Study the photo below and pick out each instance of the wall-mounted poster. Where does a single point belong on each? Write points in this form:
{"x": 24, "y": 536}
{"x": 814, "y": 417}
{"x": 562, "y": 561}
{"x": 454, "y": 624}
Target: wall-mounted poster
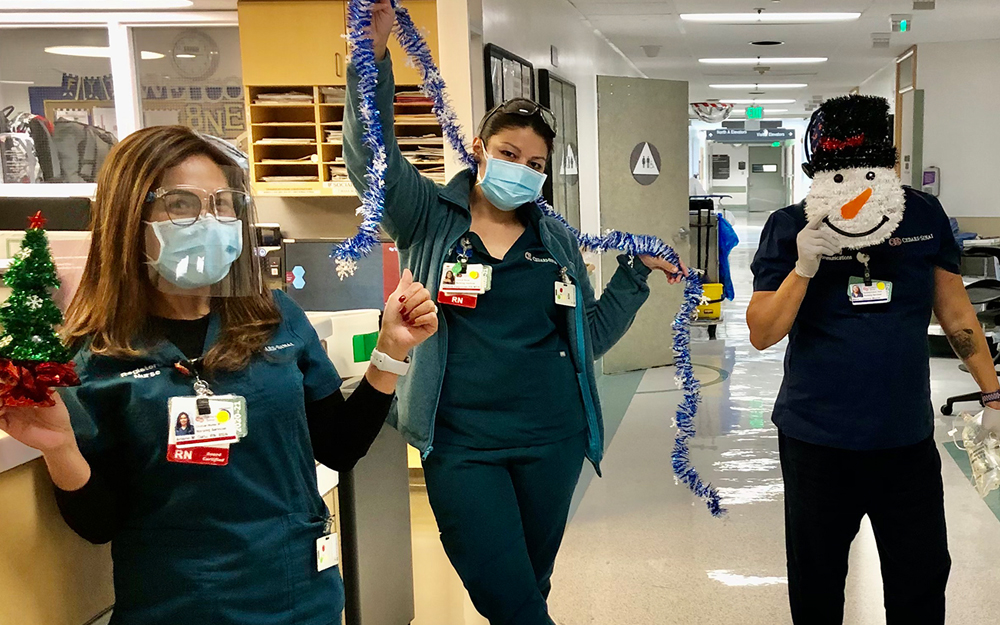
{"x": 562, "y": 189}
{"x": 507, "y": 76}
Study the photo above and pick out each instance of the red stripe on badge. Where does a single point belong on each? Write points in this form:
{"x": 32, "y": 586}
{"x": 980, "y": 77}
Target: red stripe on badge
{"x": 208, "y": 456}
{"x": 456, "y": 299}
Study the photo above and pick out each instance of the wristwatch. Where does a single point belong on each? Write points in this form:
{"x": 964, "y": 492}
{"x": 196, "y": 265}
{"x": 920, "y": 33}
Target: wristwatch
{"x": 383, "y": 362}
{"x": 990, "y": 397}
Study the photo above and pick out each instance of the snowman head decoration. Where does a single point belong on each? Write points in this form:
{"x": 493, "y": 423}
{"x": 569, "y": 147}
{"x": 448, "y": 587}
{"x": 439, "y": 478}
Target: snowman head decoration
{"x": 855, "y": 190}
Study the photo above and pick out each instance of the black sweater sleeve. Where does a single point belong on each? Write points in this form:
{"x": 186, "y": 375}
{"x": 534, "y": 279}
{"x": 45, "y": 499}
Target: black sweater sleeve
{"x": 342, "y": 431}
{"x": 94, "y": 511}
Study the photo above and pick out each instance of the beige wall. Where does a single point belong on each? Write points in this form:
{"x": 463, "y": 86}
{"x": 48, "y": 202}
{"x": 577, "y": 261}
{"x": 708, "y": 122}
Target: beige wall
{"x": 985, "y": 226}
{"x": 48, "y": 574}
{"x": 310, "y": 218}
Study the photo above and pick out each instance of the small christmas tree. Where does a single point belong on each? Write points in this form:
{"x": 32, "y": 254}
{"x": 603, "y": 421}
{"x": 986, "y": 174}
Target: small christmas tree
{"x": 32, "y": 357}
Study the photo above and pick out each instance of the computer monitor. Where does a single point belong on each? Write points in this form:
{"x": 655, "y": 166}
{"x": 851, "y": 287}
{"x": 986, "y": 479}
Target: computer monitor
{"x": 311, "y": 276}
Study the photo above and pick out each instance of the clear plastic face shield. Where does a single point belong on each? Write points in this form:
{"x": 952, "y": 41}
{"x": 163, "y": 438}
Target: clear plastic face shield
{"x": 199, "y": 235}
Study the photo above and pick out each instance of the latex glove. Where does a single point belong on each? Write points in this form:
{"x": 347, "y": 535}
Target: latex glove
{"x": 991, "y": 424}
{"x": 813, "y": 244}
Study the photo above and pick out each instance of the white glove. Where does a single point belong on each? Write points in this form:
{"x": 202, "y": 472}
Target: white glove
{"x": 991, "y": 424}
{"x": 813, "y": 244}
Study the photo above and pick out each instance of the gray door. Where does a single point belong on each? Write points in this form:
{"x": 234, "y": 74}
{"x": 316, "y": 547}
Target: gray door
{"x": 643, "y": 145}
{"x": 766, "y": 187}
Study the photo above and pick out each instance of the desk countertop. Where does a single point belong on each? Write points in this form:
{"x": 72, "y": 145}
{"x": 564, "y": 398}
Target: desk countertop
{"x": 13, "y": 453}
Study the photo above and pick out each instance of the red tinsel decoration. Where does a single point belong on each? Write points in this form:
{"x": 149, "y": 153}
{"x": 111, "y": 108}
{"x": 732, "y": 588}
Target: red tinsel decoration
{"x": 28, "y": 383}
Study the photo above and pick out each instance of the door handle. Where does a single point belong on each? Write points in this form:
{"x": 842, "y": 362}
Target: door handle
{"x": 337, "y": 60}
{"x": 683, "y": 234}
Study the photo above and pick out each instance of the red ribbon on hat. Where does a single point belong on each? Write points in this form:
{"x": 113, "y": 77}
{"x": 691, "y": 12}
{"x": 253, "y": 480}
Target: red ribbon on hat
{"x": 838, "y": 144}
{"x": 29, "y": 383}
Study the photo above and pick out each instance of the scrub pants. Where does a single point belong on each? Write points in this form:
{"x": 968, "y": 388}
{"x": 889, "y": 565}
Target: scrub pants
{"x": 827, "y": 493}
{"x": 502, "y": 514}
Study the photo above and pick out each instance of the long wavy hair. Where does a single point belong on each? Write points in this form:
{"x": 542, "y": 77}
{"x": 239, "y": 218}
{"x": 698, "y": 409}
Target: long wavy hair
{"x": 110, "y": 312}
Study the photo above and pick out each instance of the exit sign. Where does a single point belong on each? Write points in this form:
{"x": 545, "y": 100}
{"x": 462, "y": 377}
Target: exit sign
{"x": 755, "y": 112}
{"x": 776, "y": 144}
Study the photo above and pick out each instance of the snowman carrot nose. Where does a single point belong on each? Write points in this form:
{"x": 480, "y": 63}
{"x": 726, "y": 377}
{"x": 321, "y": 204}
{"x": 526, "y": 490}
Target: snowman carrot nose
{"x": 852, "y": 208}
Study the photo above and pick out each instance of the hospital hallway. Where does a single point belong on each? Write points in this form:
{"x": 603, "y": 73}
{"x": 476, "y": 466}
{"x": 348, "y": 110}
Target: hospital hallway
{"x": 641, "y": 549}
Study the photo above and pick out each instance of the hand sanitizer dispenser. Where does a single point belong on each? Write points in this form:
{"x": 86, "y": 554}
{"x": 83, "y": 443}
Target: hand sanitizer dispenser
{"x": 932, "y": 181}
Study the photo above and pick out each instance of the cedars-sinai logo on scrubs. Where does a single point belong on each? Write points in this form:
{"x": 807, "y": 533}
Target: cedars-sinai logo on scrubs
{"x": 895, "y": 241}
{"x": 536, "y": 259}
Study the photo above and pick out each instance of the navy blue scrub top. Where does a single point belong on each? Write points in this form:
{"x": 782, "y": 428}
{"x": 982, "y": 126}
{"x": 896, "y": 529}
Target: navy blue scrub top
{"x": 858, "y": 377}
{"x": 509, "y": 380}
{"x": 204, "y": 544}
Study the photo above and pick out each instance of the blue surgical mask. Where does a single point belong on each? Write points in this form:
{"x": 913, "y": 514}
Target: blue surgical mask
{"x": 510, "y": 185}
{"x": 197, "y": 255}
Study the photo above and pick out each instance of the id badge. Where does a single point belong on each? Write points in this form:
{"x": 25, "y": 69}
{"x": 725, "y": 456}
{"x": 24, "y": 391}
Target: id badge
{"x": 462, "y": 278}
{"x": 326, "y": 552}
{"x": 861, "y": 294}
{"x": 566, "y": 294}
{"x": 209, "y": 420}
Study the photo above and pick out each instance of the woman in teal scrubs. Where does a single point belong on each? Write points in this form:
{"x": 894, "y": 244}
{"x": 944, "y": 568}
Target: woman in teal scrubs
{"x": 223, "y": 534}
{"x": 502, "y": 401}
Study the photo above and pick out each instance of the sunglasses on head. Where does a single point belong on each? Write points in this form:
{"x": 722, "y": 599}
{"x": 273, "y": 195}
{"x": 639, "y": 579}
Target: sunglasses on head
{"x": 524, "y": 108}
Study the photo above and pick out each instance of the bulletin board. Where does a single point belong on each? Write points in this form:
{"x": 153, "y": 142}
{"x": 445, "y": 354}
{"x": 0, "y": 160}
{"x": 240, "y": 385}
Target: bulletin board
{"x": 507, "y": 76}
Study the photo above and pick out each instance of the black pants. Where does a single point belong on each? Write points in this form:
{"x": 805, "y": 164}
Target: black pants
{"x": 827, "y": 493}
{"x": 502, "y": 514}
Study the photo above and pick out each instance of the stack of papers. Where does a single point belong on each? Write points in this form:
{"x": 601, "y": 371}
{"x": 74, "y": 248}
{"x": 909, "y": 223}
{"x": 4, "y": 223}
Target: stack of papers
{"x": 993, "y": 242}
{"x": 334, "y": 136}
{"x": 333, "y": 95}
{"x": 290, "y": 178}
{"x": 416, "y": 118}
{"x": 413, "y": 97}
{"x": 338, "y": 173}
{"x": 285, "y": 141}
{"x": 289, "y": 97}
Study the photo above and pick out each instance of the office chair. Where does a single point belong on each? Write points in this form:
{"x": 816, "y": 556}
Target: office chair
{"x": 984, "y": 293}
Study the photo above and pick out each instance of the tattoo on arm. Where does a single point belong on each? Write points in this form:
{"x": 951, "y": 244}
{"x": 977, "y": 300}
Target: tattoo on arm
{"x": 964, "y": 343}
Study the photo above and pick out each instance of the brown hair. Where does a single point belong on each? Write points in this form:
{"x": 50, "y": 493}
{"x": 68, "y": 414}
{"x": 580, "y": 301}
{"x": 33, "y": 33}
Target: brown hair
{"x": 112, "y": 306}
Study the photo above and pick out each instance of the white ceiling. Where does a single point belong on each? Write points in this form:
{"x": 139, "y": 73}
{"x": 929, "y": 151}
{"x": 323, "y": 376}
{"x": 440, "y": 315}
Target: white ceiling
{"x": 632, "y": 24}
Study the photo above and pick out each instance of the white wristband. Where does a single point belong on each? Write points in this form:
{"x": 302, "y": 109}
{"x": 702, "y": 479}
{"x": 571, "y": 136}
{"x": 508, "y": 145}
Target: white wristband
{"x": 383, "y": 362}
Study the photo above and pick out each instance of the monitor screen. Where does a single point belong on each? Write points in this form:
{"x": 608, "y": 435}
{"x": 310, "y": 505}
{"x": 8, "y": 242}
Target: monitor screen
{"x": 311, "y": 276}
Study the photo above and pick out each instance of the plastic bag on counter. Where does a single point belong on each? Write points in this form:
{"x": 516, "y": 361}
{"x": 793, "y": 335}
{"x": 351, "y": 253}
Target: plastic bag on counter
{"x": 984, "y": 457}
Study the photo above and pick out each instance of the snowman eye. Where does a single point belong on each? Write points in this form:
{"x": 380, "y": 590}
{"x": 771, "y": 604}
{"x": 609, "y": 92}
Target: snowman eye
{"x": 871, "y": 175}
{"x": 838, "y": 178}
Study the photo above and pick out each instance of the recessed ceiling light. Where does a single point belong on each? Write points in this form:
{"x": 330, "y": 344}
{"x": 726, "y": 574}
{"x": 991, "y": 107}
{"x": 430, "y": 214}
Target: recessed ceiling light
{"x": 93, "y": 5}
{"x": 760, "y": 60}
{"x": 745, "y": 101}
{"x": 767, "y": 43}
{"x": 764, "y": 17}
{"x": 761, "y": 86}
{"x": 96, "y": 52}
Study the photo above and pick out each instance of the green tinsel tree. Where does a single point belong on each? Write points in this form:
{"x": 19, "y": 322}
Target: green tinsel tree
{"x": 29, "y": 315}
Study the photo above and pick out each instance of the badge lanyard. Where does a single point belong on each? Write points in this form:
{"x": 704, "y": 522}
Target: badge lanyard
{"x": 211, "y": 422}
{"x": 865, "y": 291}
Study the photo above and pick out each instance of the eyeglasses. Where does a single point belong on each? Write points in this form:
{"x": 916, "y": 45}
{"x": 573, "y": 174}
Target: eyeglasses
{"x": 184, "y": 205}
{"x": 524, "y": 108}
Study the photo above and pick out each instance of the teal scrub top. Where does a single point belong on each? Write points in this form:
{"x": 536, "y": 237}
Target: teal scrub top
{"x": 231, "y": 544}
{"x": 509, "y": 378}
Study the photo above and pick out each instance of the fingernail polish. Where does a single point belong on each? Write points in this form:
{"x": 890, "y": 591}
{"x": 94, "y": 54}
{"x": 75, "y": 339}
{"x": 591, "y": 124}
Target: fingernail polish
{"x": 402, "y": 298}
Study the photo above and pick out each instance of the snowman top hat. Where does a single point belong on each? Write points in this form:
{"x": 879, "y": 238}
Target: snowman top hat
{"x": 850, "y": 132}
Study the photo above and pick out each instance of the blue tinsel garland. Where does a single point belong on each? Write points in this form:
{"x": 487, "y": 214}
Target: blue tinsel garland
{"x": 363, "y": 58}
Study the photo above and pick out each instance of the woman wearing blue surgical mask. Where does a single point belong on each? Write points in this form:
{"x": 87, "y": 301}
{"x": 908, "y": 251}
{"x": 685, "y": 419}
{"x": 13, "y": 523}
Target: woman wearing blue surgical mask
{"x": 502, "y": 402}
{"x": 205, "y": 401}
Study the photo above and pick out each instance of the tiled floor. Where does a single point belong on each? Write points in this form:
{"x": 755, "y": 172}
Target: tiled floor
{"x": 640, "y": 550}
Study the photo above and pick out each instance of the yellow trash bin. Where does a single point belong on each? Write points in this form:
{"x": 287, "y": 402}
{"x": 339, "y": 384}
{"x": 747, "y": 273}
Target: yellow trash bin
{"x": 713, "y": 309}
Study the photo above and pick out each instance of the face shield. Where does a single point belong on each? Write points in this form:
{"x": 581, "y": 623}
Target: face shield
{"x": 201, "y": 241}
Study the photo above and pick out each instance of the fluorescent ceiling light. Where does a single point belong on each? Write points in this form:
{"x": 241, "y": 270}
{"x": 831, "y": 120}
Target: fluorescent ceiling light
{"x": 93, "y": 5}
{"x": 17, "y": 82}
{"x": 752, "y": 102}
{"x": 96, "y": 52}
{"x": 765, "y": 17}
{"x": 763, "y": 60}
{"x": 762, "y": 86}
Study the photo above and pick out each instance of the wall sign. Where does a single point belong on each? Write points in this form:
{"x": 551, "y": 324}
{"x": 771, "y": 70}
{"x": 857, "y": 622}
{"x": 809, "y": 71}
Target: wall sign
{"x": 740, "y": 135}
{"x": 645, "y": 163}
